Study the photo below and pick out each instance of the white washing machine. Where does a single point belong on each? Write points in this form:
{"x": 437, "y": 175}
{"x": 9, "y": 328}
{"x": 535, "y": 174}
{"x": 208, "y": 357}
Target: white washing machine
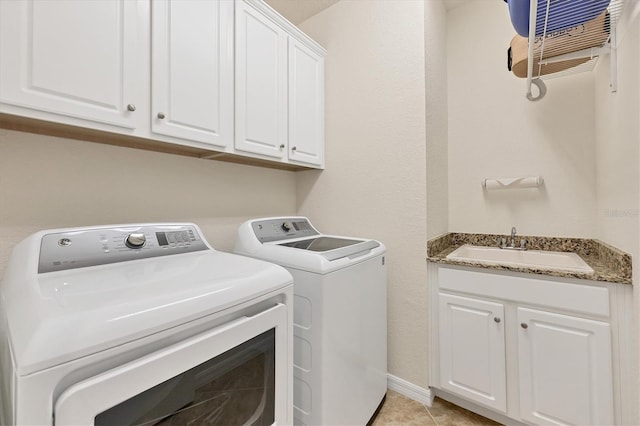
{"x": 340, "y": 317}
{"x": 147, "y": 323}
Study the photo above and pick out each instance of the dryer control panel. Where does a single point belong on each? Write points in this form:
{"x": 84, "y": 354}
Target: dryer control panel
{"x": 283, "y": 228}
{"x": 82, "y": 247}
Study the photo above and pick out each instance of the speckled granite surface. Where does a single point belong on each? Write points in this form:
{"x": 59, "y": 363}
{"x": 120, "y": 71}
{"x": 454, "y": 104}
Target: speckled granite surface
{"x": 608, "y": 263}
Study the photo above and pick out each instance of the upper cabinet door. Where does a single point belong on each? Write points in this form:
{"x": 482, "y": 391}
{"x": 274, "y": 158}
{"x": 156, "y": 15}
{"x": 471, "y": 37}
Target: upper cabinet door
{"x": 306, "y": 104}
{"x": 74, "y": 58}
{"x": 192, "y": 70}
{"x": 261, "y": 84}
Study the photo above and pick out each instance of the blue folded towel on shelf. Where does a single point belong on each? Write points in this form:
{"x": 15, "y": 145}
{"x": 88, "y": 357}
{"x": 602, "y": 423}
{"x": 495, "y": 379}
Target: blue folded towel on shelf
{"x": 562, "y": 14}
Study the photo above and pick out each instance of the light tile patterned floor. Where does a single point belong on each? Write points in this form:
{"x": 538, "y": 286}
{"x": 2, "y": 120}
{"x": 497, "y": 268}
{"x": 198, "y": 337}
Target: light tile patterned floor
{"x": 401, "y": 411}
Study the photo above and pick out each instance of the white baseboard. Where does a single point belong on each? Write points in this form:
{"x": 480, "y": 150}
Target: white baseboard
{"x": 411, "y": 391}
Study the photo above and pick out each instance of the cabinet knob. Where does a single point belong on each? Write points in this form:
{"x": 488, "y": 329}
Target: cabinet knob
{"x": 281, "y": 146}
{"x": 496, "y": 319}
{"x": 524, "y": 325}
{"x": 161, "y": 115}
{"x": 131, "y": 107}
{"x": 293, "y": 148}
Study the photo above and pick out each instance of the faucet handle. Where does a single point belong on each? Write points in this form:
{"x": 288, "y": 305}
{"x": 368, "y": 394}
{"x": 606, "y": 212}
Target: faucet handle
{"x": 523, "y": 243}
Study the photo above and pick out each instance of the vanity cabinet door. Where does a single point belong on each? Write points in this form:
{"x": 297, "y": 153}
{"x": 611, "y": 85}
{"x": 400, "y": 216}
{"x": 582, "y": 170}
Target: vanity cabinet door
{"x": 192, "y": 70}
{"x": 75, "y": 59}
{"x": 472, "y": 349}
{"x": 565, "y": 369}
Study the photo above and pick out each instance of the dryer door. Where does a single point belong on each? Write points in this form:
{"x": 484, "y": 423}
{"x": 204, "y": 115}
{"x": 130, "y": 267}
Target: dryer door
{"x": 234, "y": 374}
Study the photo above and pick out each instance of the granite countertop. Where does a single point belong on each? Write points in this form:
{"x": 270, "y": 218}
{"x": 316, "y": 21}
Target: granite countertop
{"x": 608, "y": 263}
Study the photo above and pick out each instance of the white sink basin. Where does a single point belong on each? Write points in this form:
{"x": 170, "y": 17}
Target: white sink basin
{"x": 555, "y": 260}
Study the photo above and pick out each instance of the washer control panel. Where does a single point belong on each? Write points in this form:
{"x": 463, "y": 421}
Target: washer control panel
{"x": 283, "y": 228}
{"x": 82, "y": 247}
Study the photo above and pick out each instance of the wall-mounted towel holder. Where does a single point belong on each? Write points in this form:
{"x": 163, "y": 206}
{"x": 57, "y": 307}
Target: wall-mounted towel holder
{"x": 512, "y": 183}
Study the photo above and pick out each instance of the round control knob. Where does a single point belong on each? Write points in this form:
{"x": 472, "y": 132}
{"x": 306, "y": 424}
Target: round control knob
{"x": 286, "y": 226}
{"x": 135, "y": 240}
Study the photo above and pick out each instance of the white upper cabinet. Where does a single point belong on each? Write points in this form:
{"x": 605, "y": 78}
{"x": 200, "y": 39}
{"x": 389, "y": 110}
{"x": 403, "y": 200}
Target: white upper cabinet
{"x": 261, "y": 83}
{"x": 279, "y": 88}
{"x": 226, "y": 77}
{"x": 192, "y": 70}
{"x": 72, "y": 58}
{"x": 306, "y": 104}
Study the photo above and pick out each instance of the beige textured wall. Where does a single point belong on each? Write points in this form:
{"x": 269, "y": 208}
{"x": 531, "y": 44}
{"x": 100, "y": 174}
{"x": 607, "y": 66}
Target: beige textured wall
{"x": 48, "y": 182}
{"x": 375, "y": 185}
{"x": 618, "y": 141}
{"x": 436, "y": 118}
{"x": 495, "y": 132}
{"x": 618, "y": 163}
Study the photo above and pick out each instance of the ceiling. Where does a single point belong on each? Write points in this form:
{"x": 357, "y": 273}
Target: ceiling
{"x": 298, "y": 11}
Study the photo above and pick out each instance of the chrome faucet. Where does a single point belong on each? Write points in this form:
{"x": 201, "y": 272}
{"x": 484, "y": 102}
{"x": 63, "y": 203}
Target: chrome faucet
{"x": 502, "y": 242}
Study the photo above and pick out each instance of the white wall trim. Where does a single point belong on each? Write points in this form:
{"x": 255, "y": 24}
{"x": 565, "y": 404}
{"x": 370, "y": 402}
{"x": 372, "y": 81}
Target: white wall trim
{"x": 408, "y": 389}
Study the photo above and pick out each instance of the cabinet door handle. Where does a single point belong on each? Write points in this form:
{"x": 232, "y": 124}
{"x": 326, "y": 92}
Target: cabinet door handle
{"x": 161, "y": 115}
{"x": 524, "y": 325}
{"x": 293, "y": 148}
{"x": 496, "y": 319}
{"x": 131, "y": 107}
{"x": 281, "y": 146}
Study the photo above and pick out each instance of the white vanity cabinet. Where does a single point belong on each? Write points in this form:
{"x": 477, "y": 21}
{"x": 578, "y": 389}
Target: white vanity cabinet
{"x": 192, "y": 70}
{"x": 279, "y": 88}
{"x": 75, "y": 59}
{"x": 538, "y": 350}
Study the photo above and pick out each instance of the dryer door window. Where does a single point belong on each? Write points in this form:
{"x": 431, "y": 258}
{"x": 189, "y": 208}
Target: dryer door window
{"x": 234, "y": 388}
{"x": 233, "y": 374}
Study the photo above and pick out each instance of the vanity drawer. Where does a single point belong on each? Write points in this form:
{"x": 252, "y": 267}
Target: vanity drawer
{"x": 579, "y": 298}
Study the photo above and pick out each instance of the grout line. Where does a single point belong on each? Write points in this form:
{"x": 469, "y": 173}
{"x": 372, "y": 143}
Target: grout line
{"x": 430, "y": 415}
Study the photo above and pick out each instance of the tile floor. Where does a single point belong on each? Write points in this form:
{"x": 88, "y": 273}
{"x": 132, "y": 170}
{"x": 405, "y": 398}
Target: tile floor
{"x": 401, "y": 411}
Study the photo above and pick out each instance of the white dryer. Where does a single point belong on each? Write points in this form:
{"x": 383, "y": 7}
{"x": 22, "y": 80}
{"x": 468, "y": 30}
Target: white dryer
{"x": 340, "y": 317}
{"x": 134, "y": 324}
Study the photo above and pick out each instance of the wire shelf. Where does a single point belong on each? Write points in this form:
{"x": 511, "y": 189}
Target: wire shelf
{"x": 567, "y": 37}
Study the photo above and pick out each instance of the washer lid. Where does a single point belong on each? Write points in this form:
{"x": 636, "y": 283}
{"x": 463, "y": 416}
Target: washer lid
{"x": 294, "y": 243}
{"x": 333, "y": 248}
{"x": 60, "y": 316}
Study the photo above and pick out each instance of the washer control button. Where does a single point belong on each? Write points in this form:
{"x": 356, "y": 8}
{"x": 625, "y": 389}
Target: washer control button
{"x": 135, "y": 240}
{"x": 64, "y": 242}
{"x": 286, "y": 226}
